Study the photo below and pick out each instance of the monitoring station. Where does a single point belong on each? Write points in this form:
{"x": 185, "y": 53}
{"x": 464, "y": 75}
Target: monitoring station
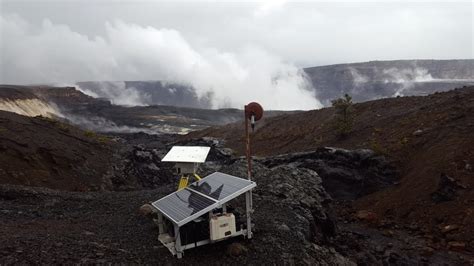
{"x": 201, "y": 213}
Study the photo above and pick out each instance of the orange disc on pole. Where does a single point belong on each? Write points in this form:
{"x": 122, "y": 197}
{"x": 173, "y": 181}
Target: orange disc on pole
{"x": 254, "y": 109}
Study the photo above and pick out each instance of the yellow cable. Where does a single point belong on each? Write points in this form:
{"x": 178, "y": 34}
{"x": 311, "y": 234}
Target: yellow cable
{"x": 197, "y": 177}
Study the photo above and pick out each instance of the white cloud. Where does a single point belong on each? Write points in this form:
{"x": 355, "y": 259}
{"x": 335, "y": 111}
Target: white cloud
{"x": 234, "y": 48}
{"x": 56, "y": 53}
{"x": 269, "y": 6}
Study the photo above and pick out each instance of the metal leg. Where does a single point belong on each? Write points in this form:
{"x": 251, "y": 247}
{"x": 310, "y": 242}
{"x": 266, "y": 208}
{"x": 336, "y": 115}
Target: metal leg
{"x": 160, "y": 223}
{"x": 251, "y": 201}
{"x": 177, "y": 242}
{"x": 224, "y": 208}
{"x": 248, "y": 196}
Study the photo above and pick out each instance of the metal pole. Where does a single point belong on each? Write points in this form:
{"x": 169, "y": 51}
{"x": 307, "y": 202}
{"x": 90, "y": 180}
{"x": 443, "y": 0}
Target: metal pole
{"x": 248, "y": 154}
{"x": 248, "y": 196}
{"x": 177, "y": 242}
{"x": 161, "y": 229}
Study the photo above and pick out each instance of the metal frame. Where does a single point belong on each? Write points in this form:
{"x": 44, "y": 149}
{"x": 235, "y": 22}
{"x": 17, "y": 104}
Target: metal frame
{"x": 176, "y": 248}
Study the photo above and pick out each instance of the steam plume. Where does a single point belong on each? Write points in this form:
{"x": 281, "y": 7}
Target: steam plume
{"x": 55, "y": 53}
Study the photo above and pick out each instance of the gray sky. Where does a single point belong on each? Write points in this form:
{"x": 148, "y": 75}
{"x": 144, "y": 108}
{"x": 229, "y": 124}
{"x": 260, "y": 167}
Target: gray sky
{"x": 306, "y": 33}
{"x": 213, "y": 44}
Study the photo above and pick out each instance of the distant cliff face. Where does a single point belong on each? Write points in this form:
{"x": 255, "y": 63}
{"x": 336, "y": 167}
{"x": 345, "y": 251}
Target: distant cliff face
{"x": 363, "y": 81}
{"x": 381, "y": 79}
{"x": 71, "y": 105}
{"x": 140, "y": 93}
{"x": 25, "y": 103}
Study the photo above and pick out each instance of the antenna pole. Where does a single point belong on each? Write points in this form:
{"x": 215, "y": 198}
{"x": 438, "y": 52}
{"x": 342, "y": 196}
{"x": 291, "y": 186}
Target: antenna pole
{"x": 248, "y": 154}
{"x": 248, "y": 195}
{"x": 253, "y": 112}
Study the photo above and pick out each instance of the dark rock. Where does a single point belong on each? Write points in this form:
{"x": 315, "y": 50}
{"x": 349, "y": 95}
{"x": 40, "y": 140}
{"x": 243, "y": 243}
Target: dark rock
{"x": 345, "y": 174}
{"x": 146, "y": 210}
{"x": 418, "y": 132}
{"x": 456, "y": 246}
{"x": 367, "y": 216}
{"x": 449, "y": 228}
{"x": 448, "y": 188}
{"x": 427, "y": 251}
{"x": 146, "y": 166}
{"x": 88, "y": 233}
{"x": 284, "y": 227}
{"x": 236, "y": 249}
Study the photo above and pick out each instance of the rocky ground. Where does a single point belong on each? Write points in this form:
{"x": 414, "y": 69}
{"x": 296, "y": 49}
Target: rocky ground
{"x": 396, "y": 193}
{"x": 296, "y": 220}
{"x": 428, "y": 139}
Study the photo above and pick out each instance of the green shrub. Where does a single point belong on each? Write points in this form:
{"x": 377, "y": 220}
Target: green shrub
{"x": 344, "y": 116}
{"x": 90, "y": 134}
{"x": 97, "y": 137}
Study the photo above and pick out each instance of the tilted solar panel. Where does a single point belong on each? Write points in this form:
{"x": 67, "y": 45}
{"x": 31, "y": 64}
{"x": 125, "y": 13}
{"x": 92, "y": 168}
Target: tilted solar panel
{"x": 219, "y": 185}
{"x": 183, "y": 204}
{"x": 202, "y": 196}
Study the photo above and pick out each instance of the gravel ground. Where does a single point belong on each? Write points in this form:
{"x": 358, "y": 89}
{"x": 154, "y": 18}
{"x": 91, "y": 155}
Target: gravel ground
{"x": 44, "y": 226}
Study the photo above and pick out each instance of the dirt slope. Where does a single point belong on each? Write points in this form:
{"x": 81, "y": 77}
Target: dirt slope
{"x": 38, "y": 151}
{"x": 424, "y": 136}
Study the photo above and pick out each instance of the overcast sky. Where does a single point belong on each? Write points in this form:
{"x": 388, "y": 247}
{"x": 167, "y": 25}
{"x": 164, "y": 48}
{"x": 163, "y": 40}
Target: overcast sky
{"x": 199, "y": 41}
{"x": 306, "y": 33}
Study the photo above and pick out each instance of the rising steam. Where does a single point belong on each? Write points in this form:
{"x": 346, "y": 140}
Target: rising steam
{"x": 52, "y": 53}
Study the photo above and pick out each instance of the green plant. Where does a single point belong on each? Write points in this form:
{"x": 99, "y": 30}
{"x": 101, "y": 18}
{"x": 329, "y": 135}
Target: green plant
{"x": 47, "y": 119}
{"x": 90, "y": 134}
{"x": 97, "y": 137}
{"x": 102, "y": 139}
{"x": 344, "y": 116}
{"x": 64, "y": 127}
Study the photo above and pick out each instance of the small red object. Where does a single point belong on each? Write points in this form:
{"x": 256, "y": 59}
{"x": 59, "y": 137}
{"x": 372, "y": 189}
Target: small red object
{"x": 254, "y": 109}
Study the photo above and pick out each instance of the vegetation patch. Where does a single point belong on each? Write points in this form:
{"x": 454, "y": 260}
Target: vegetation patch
{"x": 344, "y": 117}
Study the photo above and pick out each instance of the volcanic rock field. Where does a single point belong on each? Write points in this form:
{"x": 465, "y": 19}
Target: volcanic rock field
{"x": 396, "y": 191}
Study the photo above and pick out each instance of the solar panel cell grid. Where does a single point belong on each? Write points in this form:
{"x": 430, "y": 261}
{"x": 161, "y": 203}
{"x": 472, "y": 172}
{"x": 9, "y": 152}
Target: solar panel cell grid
{"x": 202, "y": 196}
{"x": 182, "y": 204}
{"x": 219, "y": 186}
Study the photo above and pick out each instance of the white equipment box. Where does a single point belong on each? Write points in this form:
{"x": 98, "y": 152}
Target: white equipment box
{"x": 222, "y": 226}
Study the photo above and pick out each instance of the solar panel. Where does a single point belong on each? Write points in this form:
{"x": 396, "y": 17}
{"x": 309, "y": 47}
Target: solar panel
{"x": 183, "y": 204}
{"x": 219, "y": 185}
{"x": 187, "y": 154}
{"x": 201, "y": 197}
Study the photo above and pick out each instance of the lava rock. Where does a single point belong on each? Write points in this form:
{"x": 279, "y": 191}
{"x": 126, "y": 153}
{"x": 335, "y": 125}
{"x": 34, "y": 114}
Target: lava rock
{"x": 449, "y": 228}
{"x": 447, "y": 190}
{"x": 146, "y": 210}
{"x": 145, "y": 165}
{"x": 346, "y": 174}
{"x": 456, "y": 246}
{"x": 236, "y": 249}
{"x": 367, "y": 216}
